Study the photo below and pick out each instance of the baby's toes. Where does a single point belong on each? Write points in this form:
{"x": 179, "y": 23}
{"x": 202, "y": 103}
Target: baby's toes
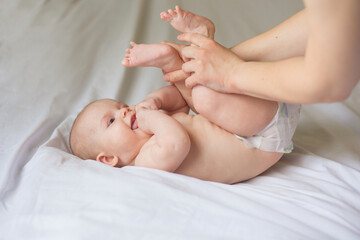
{"x": 178, "y": 10}
{"x": 126, "y": 62}
{"x": 172, "y": 13}
{"x": 165, "y": 16}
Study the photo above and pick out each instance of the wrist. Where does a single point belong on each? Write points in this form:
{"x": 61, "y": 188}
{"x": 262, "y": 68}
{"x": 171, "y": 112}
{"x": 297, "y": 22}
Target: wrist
{"x": 233, "y": 83}
{"x": 248, "y": 51}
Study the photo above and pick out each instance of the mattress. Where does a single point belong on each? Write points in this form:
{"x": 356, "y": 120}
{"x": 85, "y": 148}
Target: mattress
{"x": 57, "y": 56}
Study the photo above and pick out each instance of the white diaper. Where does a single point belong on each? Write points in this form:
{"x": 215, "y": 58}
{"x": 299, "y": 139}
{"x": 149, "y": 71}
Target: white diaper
{"x": 277, "y": 135}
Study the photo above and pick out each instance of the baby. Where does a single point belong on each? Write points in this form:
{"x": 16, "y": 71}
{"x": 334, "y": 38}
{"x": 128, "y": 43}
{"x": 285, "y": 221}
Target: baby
{"x": 251, "y": 115}
{"x": 159, "y": 133}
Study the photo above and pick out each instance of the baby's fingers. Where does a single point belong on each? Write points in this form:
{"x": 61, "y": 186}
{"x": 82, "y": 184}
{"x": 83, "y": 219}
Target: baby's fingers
{"x": 148, "y": 104}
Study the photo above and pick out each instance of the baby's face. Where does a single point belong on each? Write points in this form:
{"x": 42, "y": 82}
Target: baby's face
{"x": 115, "y": 129}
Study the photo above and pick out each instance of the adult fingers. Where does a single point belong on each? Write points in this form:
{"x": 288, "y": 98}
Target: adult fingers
{"x": 190, "y": 66}
{"x": 191, "y": 82}
{"x": 194, "y": 38}
{"x": 191, "y": 52}
{"x": 175, "y": 76}
{"x": 178, "y": 47}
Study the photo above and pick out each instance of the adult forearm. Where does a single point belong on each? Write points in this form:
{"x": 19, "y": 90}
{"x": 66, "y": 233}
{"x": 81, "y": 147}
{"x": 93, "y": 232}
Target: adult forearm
{"x": 333, "y": 51}
{"x": 292, "y": 80}
{"x": 281, "y": 81}
{"x": 326, "y": 73}
{"x": 286, "y": 40}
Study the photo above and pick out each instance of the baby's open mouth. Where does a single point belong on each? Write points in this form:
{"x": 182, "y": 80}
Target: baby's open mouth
{"x": 134, "y": 124}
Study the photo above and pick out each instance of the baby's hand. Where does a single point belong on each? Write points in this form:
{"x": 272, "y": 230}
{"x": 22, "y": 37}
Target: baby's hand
{"x": 143, "y": 109}
{"x": 150, "y": 104}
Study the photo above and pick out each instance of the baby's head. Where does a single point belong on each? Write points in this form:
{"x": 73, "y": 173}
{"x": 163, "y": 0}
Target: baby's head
{"x": 106, "y": 130}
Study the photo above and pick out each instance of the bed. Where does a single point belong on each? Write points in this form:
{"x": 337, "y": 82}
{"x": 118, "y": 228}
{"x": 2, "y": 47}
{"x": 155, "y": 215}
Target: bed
{"x": 57, "y": 56}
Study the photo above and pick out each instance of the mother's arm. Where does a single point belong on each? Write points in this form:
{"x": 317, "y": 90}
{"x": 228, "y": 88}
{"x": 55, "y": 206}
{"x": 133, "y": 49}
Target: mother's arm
{"x": 327, "y": 72}
{"x": 288, "y": 39}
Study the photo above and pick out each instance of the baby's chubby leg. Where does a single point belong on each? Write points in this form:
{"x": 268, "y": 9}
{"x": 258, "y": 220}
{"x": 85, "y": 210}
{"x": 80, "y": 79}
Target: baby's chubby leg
{"x": 239, "y": 114}
{"x": 158, "y": 55}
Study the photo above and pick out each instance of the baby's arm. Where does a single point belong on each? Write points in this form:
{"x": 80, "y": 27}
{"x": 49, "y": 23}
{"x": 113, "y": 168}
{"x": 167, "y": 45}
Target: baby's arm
{"x": 168, "y": 99}
{"x": 168, "y": 146}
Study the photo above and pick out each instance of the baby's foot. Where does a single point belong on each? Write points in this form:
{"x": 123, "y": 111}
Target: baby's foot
{"x": 161, "y": 56}
{"x": 185, "y": 21}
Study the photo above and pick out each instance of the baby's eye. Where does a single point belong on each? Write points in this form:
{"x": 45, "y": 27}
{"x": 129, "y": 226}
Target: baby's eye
{"x": 111, "y": 121}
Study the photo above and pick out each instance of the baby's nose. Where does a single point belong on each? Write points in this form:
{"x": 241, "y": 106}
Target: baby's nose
{"x": 132, "y": 108}
{"x": 124, "y": 111}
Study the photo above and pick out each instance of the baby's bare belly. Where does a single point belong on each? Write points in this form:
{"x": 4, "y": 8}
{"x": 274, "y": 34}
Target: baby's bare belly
{"x": 217, "y": 155}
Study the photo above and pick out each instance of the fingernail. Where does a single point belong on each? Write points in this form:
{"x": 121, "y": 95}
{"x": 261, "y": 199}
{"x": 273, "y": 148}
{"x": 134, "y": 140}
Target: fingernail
{"x": 166, "y": 78}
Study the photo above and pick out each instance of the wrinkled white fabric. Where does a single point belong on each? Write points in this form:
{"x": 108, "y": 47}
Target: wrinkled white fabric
{"x": 57, "y": 56}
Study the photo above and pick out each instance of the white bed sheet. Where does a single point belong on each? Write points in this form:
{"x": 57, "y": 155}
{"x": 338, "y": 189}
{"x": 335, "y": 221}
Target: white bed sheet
{"x": 56, "y": 56}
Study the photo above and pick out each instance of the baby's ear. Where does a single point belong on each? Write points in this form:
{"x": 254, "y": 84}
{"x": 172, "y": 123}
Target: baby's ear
{"x": 110, "y": 160}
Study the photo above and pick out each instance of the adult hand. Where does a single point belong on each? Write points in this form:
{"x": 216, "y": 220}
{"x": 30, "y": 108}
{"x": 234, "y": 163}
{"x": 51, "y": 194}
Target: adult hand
{"x": 175, "y": 76}
{"x": 177, "y": 47}
{"x": 178, "y": 75}
{"x": 211, "y": 64}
